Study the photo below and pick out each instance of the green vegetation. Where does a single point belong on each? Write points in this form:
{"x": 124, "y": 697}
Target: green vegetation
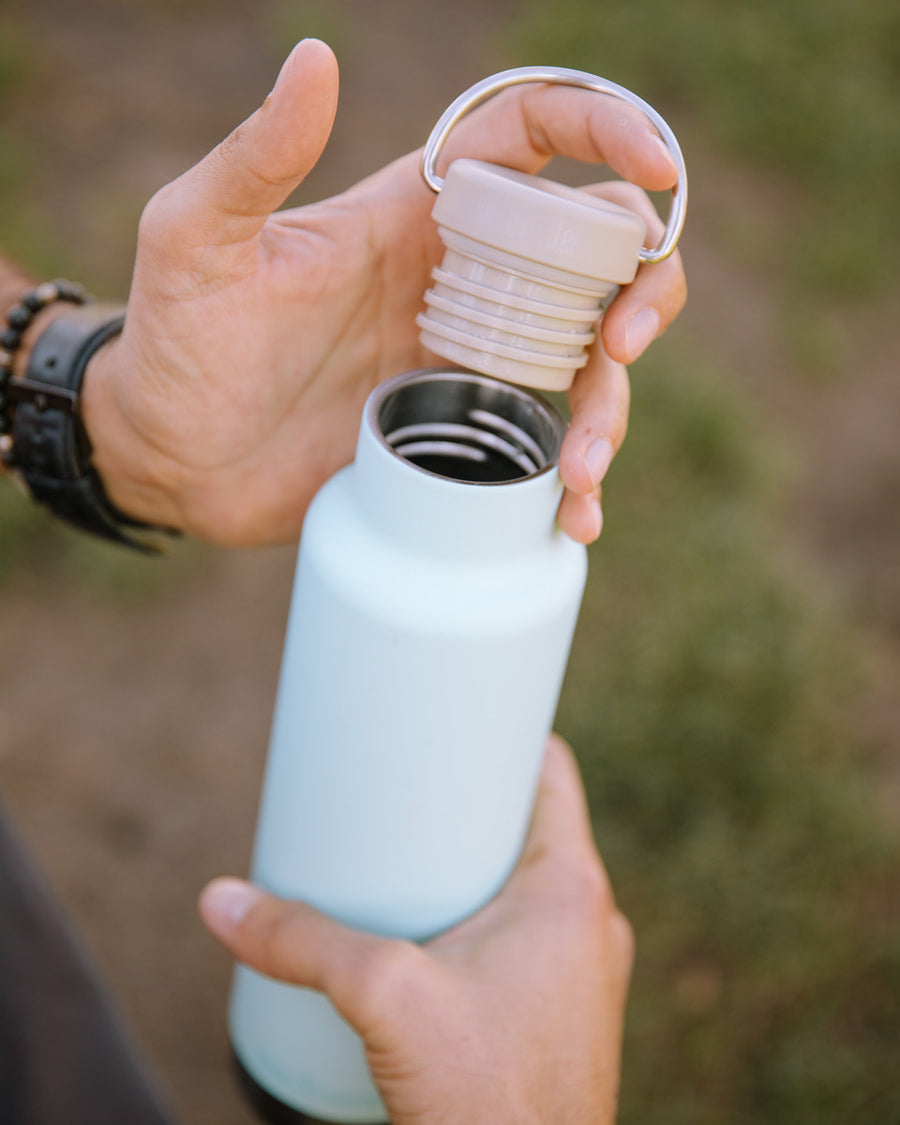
{"x": 13, "y": 156}
{"x": 33, "y": 542}
{"x": 15, "y": 56}
{"x": 294, "y": 20}
{"x": 807, "y": 90}
{"x": 710, "y": 698}
{"x": 712, "y": 690}
{"x": 23, "y": 232}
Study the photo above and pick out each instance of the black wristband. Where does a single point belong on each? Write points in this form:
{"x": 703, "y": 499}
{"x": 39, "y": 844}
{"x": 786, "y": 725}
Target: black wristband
{"x": 50, "y": 446}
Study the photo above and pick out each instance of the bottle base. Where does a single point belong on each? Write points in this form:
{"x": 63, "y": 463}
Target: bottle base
{"x": 266, "y": 1105}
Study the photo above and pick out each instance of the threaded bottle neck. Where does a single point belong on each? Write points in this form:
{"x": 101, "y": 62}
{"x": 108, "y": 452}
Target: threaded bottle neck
{"x": 459, "y": 464}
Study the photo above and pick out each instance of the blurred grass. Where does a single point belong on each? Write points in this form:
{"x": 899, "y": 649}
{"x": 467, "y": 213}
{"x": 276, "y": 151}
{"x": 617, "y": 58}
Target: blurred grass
{"x": 711, "y": 697}
{"x": 712, "y": 689}
{"x": 15, "y": 54}
{"x": 808, "y": 89}
{"x": 23, "y": 231}
{"x": 293, "y": 20}
{"x": 34, "y": 543}
{"x": 30, "y": 539}
{"x": 20, "y": 231}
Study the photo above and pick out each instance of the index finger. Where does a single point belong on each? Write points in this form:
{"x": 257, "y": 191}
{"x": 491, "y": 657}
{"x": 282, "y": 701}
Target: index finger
{"x": 521, "y": 128}
{"x": 526, "y": 126}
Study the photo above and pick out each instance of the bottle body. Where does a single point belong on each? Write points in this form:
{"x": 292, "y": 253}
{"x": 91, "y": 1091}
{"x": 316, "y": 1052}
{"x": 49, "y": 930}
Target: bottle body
{"x": 429, "y": 630}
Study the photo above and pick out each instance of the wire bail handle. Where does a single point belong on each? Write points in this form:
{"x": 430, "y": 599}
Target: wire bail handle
{"x": 562, "y": 76}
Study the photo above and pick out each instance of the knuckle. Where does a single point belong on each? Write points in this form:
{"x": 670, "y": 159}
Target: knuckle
{"x": 681, "y": 288}
{"x": 623, "y": 942}
{"x": 152, "y": 215}
{"x": 278, "y": 935}
{"x": 601, "y": 402}
{"x": 588, "y": 921}
{"x": 597, "y": 891}
{"x": 236, "y": 151}
{"x": 620, "y": 404}
{"x": 613, "y": 409}
{"x": 583, "y": 892}
{"x": 627, "y": 193}
{"x": 673, "y": 296}
{"x": 385, "y": 972}
{"x": 158, "y": 219}
{"x": 635, "y": 199}
{"x": 266, "y": 931}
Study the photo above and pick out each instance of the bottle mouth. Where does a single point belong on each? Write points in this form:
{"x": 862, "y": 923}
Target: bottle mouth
{"x": 465, "y": 427}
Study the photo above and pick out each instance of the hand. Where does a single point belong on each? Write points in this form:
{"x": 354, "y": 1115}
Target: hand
{"x": 253, "y": 336}
{"x": 514, "y": 1017}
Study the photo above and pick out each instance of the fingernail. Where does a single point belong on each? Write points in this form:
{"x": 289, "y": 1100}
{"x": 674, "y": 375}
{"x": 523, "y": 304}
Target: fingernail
{"x": 284, "y": 67}
{"x": 640, "y": 332}
{"x": 597, "y": 513}
{"x": 225, "y": 902}
{"x": 598, "y": 457}
{"x": 662, "y": 144}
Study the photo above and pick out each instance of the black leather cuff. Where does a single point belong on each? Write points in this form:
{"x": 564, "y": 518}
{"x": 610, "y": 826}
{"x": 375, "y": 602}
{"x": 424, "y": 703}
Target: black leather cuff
{"x": 50, "y": 444}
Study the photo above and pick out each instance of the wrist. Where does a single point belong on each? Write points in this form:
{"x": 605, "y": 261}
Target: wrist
{"x": 42, "y": 423}
{"x": 28, "y": 314}
{"x": 138, "y": 479}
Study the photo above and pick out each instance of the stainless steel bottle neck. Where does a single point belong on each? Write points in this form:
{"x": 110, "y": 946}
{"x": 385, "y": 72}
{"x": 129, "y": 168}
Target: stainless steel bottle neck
{"x": 465, "y": 427}
{"x": 459, "y": 463}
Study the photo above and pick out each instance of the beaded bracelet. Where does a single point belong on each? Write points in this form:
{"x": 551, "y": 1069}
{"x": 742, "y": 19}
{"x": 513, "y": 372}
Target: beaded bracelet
{"x": 19, "y": 318}
{"x": 42, "y": 434}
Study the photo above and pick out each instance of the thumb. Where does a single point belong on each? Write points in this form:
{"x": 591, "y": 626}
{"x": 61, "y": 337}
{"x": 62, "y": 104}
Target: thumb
{"x": 228, "y": 196}
{"x": 560, "y": 842}
{"x": 293, "y": 942}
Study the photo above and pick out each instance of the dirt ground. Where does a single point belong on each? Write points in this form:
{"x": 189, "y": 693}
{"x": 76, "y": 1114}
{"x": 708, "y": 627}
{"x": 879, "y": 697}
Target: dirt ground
{"x": 132, "y": 734}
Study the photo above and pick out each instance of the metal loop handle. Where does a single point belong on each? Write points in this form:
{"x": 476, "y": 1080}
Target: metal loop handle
{"x": 561, "y": 76}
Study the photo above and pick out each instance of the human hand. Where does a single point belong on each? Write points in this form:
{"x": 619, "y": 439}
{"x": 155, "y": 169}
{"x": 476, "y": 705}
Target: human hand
{"x": 513, "y": 1017}
{"x": 253, "y": 336}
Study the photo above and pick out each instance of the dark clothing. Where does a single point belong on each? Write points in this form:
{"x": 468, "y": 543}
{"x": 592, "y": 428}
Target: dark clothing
{"x": 65, "y": 1058}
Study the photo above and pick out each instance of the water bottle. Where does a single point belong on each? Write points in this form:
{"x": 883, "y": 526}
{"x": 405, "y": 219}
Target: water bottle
{"x": 432, "y": 613}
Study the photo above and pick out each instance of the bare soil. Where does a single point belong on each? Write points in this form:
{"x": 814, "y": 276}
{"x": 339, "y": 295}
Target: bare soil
{"x": 132, "y": 733}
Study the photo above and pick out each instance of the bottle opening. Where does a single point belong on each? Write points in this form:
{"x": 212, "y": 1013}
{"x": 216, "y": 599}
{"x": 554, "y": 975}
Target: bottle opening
{"x": 467, "y": 427}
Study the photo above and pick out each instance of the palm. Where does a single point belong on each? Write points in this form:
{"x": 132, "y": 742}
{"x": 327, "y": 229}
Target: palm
{"x": 253, "y": 335}
{"x": 292, "y": 337}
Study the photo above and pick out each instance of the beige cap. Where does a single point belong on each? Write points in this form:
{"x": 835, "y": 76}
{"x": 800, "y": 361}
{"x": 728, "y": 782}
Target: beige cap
{"x": 548, "y": 223}
{"x": 529, "y": 265}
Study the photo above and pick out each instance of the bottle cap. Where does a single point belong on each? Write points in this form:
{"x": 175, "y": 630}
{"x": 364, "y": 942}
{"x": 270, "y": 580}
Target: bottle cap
{"x": 529, "y": 265}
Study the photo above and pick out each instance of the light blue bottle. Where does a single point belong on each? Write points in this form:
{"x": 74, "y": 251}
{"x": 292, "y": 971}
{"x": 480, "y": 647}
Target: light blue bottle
{"x": 432, "y": 614}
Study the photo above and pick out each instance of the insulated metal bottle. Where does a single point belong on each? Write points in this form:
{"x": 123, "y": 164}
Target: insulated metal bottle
{"x": 434, "y": 602}
{"x": 432, "y": 613}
